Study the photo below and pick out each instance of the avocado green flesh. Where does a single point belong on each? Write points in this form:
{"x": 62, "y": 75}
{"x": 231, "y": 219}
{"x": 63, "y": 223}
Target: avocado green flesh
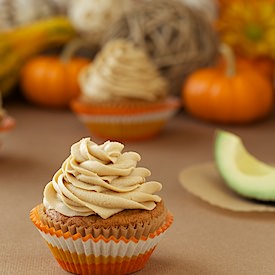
{"x": 241, "y": 171}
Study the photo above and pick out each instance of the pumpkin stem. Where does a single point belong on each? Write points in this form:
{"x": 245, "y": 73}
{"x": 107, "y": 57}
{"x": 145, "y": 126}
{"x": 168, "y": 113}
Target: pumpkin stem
{"x": 229, "y": 57}
{"x": 70, "y": 49}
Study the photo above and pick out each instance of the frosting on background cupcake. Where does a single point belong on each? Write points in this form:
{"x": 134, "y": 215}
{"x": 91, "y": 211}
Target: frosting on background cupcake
{"x": 122, "y": 71}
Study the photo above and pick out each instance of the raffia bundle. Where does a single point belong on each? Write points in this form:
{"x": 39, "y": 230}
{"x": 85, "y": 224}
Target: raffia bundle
{"x": 178, "y": 39}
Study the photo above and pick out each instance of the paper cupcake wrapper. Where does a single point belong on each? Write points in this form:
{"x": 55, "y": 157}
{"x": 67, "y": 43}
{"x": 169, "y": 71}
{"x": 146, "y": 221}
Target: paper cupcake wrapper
{"x": 136, "y": 122}
{"x": 6, "y": 126}
{"x": 89, "y": 255}
{"x": 160, "y": 115}
{"x": 134, "y": 127}
{"x": 124, "y": 107}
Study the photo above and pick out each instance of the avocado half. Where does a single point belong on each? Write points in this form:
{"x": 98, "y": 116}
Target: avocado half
{"x": 241, "y": 171}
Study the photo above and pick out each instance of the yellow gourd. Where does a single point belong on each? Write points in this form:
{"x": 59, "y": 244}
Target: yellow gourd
{"x": 18, "y": 45}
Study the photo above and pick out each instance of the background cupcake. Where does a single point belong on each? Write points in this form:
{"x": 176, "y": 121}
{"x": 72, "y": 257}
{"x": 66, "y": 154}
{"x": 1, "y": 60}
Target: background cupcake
{"x": 7, "y": 123}
{"x": 123, "y": 95}
{"x": 99, "y": 214}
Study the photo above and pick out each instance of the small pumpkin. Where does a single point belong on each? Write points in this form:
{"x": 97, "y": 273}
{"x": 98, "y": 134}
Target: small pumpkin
{"x": 262, "y": 64}
{"x": 233, "y": 93}
{"x": 52, "y": 80}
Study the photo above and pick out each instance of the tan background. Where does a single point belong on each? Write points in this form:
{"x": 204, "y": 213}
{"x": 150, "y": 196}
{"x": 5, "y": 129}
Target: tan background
{"x": 203, "y": 239}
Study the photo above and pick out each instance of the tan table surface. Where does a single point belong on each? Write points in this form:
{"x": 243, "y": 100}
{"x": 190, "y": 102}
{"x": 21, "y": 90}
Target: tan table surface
{"x": 202, "y": 240}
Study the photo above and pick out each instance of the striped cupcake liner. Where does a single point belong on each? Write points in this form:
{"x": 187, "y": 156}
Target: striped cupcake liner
{"x": 89, "y": 255}
{"x": 126, "y": 122}
{"x": 6, "y": 126}
{"x": 124, "y": 107}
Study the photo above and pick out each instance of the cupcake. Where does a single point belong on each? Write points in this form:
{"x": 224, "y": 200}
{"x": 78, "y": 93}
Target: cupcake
{"x": 123, "y": 96}
{"x": 99, "y": 214}
{"x": 7, "y": 123}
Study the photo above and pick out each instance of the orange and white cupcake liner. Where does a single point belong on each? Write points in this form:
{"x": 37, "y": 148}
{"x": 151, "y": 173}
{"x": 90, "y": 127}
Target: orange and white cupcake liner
{"x": 127, "y": 121}
{"x": 89, "y": 255}
{"x": 6, "y": 125}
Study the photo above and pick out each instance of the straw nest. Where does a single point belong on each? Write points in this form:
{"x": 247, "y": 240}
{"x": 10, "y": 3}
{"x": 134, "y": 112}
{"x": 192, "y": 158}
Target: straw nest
{"x": 178, "y": 39}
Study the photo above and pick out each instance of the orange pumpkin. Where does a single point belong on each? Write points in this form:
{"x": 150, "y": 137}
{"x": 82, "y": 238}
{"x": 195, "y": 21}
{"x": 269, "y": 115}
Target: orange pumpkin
{"x": 262, "y": 64}
{"x": 234, "y": 93}
{"x": 265, "y": 65}
{"x": 52, "y": 81}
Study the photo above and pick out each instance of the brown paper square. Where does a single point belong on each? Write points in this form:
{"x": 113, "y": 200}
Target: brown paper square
{"x": 204, "y": 181}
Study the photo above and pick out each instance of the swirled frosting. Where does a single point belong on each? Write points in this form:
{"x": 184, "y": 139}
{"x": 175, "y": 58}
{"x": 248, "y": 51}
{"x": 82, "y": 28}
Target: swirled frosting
{"x": 102, "y": 180}
{"x": 122, "y": 71}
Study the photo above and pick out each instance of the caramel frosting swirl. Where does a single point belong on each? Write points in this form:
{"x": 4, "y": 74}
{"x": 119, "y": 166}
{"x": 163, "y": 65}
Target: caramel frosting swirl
{"x": 122, "y": 71}
{"x": 100, "y": 179}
